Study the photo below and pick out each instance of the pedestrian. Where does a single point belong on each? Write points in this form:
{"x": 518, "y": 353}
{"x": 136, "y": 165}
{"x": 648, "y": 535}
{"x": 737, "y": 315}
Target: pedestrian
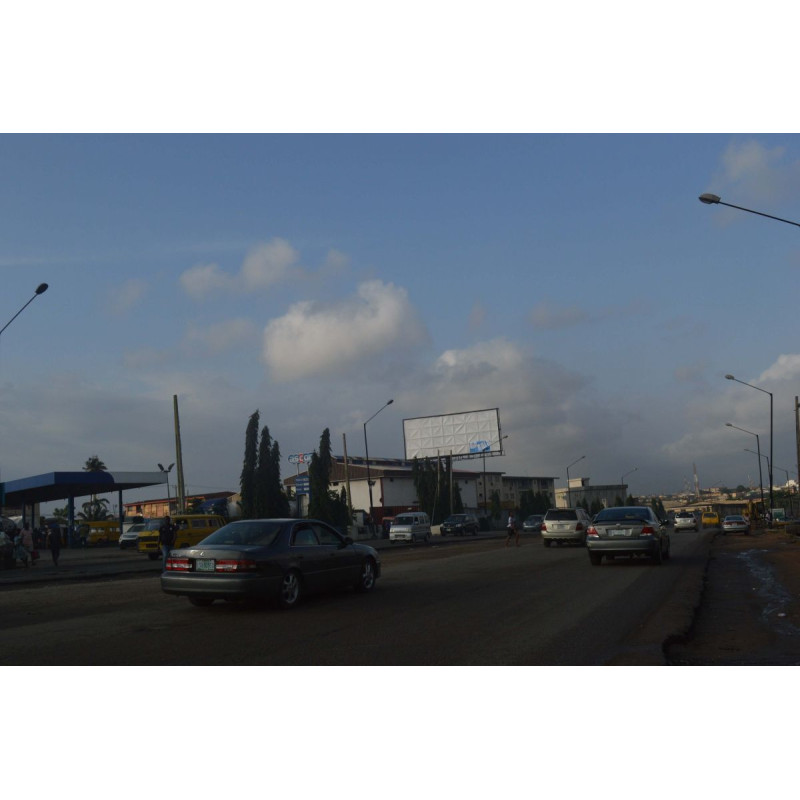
{"x": 166, "y": 538}
{"x": 25, "y": 549}
{"x": 54, "y": 541}
{"x": 512, "y": 529}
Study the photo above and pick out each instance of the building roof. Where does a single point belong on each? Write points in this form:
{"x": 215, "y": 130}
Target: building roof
{"x": 61, "y": 485}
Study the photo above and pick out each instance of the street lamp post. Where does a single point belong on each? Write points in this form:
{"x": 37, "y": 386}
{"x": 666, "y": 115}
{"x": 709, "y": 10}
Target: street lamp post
{"x": 713, "y": 199}
{"x": 166, "y": 472}
{"x": 489, "y": 447}
{"x": 366, "y": 450}
{"x": 769, "y": 463}
{"x": 40, "y": 289}
{"x": 569, "y": 490}
{"x": 622, "y": 479}
{"x": 758, "y": 446}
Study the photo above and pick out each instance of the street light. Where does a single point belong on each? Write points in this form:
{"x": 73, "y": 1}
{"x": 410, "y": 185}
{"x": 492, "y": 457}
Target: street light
{"x": 713, "y": 199}
{"x": 622, "y": 479}
{"x": 489, "y": 447}
{"x": 366, "y": 450}
{"x": 40, "y": 289}
{"x": 769, "y": 463}
{"x": 166, "y": 472}
{"x": 569, "y": 491}
{"x": 758, "y": 445}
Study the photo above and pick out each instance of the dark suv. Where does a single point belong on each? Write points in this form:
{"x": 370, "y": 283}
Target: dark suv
{"x": 460, "y": 524}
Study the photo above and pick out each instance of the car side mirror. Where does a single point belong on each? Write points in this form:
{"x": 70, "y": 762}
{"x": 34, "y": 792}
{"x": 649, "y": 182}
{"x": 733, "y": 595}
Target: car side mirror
{"x": 347, "y": 540}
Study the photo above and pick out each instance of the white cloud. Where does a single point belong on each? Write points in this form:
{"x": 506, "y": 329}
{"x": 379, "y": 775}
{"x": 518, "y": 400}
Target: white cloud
{"x": 204, "y": 279}
{"x": 787, "y": 367}
{"x": 312, "y": 339}
{"x": 126, "y": 297}
{"x": 267, "y": 264}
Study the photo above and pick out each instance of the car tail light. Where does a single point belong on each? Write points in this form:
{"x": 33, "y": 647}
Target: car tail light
{"x": 544, "y": 526}
{"x": 235, "y": 565}
{"x": 178, "y": 564}
{"x": 648, "y": 530}
{"x": 579, "y": 526}
{"x": 592, "y": 531}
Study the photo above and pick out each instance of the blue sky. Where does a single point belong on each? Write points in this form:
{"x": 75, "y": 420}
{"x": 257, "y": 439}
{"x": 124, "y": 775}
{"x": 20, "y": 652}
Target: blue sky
{"x": 573, "y": 281}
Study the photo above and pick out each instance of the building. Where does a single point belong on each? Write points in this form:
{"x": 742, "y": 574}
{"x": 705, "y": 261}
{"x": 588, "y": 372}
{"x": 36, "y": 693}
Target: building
{"x": 580, "y": 492}
{"x": 162, "y": 506}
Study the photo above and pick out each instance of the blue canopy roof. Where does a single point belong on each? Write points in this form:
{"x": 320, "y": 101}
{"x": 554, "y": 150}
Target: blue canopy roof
{"x": 62, "y": 485}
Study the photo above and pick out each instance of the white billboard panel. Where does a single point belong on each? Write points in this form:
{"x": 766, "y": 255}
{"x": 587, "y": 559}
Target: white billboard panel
{"x": 471, "y": 433}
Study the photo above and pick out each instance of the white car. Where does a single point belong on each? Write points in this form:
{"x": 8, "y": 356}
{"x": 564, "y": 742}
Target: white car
{"x": 130, "y": 537}
{"x": 685, "y": 521}
{"x": 565, "y": 526}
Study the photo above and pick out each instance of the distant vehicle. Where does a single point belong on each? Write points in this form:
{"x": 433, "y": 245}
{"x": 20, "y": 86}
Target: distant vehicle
{"x": 192, "y": 528}
{"x": 130, "y": 538}
{"x": 685, "y": 521}
{"x": 410, "y": 526}
{"x": 735, "y": 523}
{"x": 565, "y": 525}
{"x": 627, "y": 531}
{"x": 460, "y": 524}
{"x": 533, "y": 524}
{"x": 99, "y": 532}
{"x": 710, "y": 518}
{"x": 280, "y": 559}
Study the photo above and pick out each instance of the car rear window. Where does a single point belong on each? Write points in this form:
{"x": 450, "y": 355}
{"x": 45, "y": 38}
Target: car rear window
{"x": 622, "y": 514}
{"x": 403, "y": 521}
{"x": 254, "y": 532}
{"x": 562, "y": 514}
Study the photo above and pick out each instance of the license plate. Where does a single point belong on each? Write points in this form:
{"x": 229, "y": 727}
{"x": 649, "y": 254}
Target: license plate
{"x": 622, "y": 532}
{"x": 204, "y": 565}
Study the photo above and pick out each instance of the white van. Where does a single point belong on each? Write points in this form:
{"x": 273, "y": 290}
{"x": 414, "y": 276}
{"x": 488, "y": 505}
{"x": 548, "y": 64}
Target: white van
{"x": 410, "y": 526}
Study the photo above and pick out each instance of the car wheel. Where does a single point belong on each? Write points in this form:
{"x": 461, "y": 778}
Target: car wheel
{"x": 289, "y": 595}
{"x": 546, "y": 542}
{"x": 366, "y": 579}
{"x": 413, "y": 539}
{"x": 658, "y": 557}
{"x": 667, "y": 555}
{"x": 595, "y": 559}
{"x": 201, "y": 601}
{"x": 427, "y": 538}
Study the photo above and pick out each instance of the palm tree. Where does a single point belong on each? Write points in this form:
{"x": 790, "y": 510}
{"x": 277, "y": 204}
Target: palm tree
{"x": 94, "y": 464}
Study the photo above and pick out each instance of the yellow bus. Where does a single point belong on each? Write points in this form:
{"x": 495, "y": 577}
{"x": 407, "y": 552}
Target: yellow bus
{"x": 100, "y": 531}
{"x": 192, "y": 528}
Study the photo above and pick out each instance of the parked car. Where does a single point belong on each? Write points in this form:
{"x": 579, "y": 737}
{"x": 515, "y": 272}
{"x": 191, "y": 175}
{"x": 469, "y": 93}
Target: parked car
{"x": 735, "y": 523}
{"x": 685, "y": 521}
{"x": 627, "y": 531}
{"x": 710, "y": 518}
{"x": 269, "y": 558}
{"x": 460, "y": 524}
{"x": 565, "y": 525}
{"x": 533, "y": 524}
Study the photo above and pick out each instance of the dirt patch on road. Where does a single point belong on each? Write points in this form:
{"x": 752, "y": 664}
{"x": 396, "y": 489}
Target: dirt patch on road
{"x": 750, "y": 608}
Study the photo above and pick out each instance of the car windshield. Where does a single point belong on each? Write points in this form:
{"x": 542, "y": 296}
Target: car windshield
{"x": 562, "y": 514}
{"x": 623, "y": 515}
{"x": 404, "y": 520}
{"x": 456, "y": 518}
{"x": 734, "y": 519}
{"x": 250, "y": 532}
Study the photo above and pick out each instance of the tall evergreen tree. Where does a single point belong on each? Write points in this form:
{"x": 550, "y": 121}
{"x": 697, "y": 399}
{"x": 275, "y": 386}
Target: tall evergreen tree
{"x": 319, "y": 480}
{"x": 247, "y": 481}
{"x": 261, "y": 504}
{"x": 277, "y": 501}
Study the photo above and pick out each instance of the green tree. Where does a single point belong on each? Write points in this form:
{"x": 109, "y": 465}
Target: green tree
{"x": 277, "y": 501}
{"x": 426, "y": 479}
{"x": 319, "y": 480}
{"x": 262, "y": 476}
{"x": 94, "y": 509}
{"x": 597, "y": 507}
{"x": 247, "y": 481}
{"x": 94, "y": 464}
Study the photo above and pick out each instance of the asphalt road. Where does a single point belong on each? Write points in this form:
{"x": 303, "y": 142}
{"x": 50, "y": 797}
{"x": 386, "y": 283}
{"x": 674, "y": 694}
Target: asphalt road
{"x": 470, "y": 603}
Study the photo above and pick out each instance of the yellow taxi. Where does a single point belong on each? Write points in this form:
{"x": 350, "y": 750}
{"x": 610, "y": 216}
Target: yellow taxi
{"x": 104, "y": 531}
{"x": 192, "y": 528}
{"x": 710, "y": 519}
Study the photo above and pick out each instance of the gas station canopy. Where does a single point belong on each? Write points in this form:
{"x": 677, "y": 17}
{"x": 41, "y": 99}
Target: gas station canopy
{"x": 63, "y": 485}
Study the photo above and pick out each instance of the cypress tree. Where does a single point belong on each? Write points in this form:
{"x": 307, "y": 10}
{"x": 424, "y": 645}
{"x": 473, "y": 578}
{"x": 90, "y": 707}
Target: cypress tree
{"x": 247, "y": 481}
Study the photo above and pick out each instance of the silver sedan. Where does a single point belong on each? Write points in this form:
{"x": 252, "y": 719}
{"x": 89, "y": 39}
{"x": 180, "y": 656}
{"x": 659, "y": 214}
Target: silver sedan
{"x": 627, "y": 531}
{"x": 735, "y": 523}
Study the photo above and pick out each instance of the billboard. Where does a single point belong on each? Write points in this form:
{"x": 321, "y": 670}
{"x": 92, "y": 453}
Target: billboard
{"x": 470, "y": 433}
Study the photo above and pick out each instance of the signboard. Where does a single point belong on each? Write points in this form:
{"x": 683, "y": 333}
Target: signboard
{"x": 302, "y": 485}
{"x": 470, "y": 433}
{"x": 300, "y": 458}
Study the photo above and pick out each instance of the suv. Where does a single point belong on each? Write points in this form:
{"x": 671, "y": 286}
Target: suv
{"x": 565, "y": 525}
{"x": 460, "y": 524}
{"x": 685, "y": 521}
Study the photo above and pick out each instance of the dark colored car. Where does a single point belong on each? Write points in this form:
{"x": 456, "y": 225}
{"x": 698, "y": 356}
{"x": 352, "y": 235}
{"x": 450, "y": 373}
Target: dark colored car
{"x": 460, "y": 524}
{"x": 269, "y": 558}
{"x": 627, "y": 531}
{"x": 533, "y": 524}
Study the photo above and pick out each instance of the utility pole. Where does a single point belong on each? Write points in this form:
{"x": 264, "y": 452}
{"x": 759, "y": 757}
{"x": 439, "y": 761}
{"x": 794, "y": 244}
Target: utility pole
{"x": 179, "y": 457}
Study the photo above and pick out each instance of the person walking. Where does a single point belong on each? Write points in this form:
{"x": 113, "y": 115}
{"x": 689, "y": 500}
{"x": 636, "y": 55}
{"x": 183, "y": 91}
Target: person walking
{"x": 25, "y": 545}
{"x": 54, "y": 541}
{"x": 512, "y": 529}
{"x": 166, "y": 538}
